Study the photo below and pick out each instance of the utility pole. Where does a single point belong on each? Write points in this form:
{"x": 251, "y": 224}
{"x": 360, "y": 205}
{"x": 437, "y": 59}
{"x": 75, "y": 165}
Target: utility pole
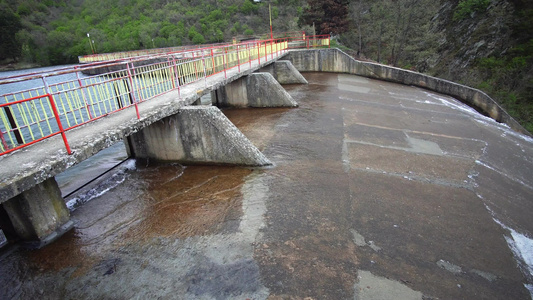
{"x": 270, "y": 14}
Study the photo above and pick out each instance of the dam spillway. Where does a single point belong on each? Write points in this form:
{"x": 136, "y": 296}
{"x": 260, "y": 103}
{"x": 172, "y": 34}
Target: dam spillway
{"x": 376, "y": 188}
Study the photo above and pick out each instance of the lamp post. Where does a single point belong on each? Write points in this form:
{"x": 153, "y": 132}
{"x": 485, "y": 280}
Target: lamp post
{"x": 270, "y": 15}
{"x": 90, "y": 43}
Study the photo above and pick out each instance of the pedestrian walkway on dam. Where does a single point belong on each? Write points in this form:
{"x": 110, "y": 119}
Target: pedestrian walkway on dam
{"x": 377, "y": 191}
{"x": 163, "y": 127}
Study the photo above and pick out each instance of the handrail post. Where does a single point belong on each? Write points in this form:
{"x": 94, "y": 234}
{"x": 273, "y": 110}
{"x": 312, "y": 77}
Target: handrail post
{"x": 171, "y": 67}
{"x": 249, "y": 54}
{"x": 58, "y": 120}
{"x": 225, "y": 59}
{"x": 213, "y": 61}
{"x": 259, "y": 52}
{"x": 266, "y": 53}
{"x": 4, "y": 143}
{"x": 205, "y": 71}
{"x": 133, "y": 94}
{"x": 177, "y": 76}
{"x": 271, "y": 53}
{"x": 238, "y": 59}
{"x": 87, "y": 106}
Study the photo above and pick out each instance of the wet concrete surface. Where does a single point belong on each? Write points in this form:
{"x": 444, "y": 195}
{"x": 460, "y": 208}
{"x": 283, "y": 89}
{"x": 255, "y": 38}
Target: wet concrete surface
{"x": 379, "y": 191}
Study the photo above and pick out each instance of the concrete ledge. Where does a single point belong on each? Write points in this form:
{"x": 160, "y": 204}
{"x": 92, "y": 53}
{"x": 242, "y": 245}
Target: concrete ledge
{"x": 255, "y": 90}
{"x": 285, "y": 72}
{"x": 335, "y": 60}
{"x": 196, "y": 135}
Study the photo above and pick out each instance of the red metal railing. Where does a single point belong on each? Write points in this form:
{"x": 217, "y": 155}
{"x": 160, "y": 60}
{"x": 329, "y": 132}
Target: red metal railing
{"x": 64, "y": 98}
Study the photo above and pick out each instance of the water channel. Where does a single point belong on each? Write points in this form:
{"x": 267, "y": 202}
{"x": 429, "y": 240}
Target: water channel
{"x": 377, "y": 190}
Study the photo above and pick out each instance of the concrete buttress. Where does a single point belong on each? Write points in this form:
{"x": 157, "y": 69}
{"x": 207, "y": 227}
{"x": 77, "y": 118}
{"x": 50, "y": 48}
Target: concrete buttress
{"x": 254, "y": 90}
{"x": 285, "y": 72}
{"x": 195, "y": 135}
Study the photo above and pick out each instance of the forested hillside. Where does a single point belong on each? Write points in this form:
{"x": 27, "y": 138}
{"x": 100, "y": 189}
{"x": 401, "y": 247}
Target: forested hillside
{"x": 487, "y": 44}
{"x": 55, "y": 31}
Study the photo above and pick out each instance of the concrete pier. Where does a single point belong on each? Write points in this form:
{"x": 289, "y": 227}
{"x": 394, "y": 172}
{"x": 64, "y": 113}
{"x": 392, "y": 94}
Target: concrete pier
{"x": 285, "y": 72}
{"x": 39, "y": 215}
{"x": 254, "y": 90}
{"x": 195, "y": 135}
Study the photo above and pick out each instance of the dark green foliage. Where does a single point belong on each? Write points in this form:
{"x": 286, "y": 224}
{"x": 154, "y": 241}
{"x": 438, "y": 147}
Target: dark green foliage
{"x": 9, "y": 26}
{"x": 508, "y": 79}
{"x": 329, "y": 16}
{"x": 466, "y": 7}
{"x": 248, "y": 7}
{"x": 55, "y": 31}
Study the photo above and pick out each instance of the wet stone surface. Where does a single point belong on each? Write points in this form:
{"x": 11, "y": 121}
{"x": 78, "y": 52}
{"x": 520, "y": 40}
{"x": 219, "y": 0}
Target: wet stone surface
{"x": 378, "y": 191}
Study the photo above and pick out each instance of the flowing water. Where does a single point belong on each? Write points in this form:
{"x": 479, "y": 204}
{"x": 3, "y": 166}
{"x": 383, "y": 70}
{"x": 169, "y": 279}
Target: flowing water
{"x": 377, "y": 190}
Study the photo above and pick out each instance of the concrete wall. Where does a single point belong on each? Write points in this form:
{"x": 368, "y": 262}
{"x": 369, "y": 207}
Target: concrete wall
{"x": 334, "y": 60}
{"x": 195, "y": 135}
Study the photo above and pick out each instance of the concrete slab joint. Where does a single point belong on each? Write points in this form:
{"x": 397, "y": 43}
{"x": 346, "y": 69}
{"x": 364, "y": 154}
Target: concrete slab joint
{"x": 196, "y": 135}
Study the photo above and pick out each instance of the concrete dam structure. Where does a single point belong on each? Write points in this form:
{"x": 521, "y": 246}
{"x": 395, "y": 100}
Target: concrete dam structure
{"x": 175, "y": 131}
{"x": 376, "y": 191}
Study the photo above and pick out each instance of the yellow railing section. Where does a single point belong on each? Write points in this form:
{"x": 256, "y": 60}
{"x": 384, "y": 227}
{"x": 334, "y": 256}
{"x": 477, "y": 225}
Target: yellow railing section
{"x": 136, "y": 53}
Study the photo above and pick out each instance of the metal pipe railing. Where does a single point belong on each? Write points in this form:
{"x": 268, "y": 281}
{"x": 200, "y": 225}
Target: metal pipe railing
{"x": 65, "y": 100}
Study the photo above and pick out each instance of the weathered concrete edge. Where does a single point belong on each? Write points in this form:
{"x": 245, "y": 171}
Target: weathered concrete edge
{"x": 59, "y": 161}
{"x": 337, "y": 61}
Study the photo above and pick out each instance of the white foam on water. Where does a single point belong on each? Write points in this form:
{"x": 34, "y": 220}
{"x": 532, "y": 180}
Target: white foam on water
{"x": 530, "y": 288}
{"x": 108, "y": 184}
{"x": 522, "y": 248}
{"x": 455, "y": 106}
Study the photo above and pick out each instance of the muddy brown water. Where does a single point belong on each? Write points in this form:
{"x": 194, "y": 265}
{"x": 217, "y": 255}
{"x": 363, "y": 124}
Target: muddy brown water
{"x": 378, "y": 191}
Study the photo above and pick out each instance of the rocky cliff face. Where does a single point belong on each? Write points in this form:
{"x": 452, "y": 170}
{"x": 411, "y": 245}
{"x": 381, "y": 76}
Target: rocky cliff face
{"x": 489, "y": 49}
{"x": 464, "y": 42}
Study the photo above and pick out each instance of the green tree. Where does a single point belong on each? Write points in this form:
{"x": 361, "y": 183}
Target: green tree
{"x": 330, "y": 16}
{"x": 198, "y": 39}
{"x": 467, "y": 7}
{"x": 248, "y": 7}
